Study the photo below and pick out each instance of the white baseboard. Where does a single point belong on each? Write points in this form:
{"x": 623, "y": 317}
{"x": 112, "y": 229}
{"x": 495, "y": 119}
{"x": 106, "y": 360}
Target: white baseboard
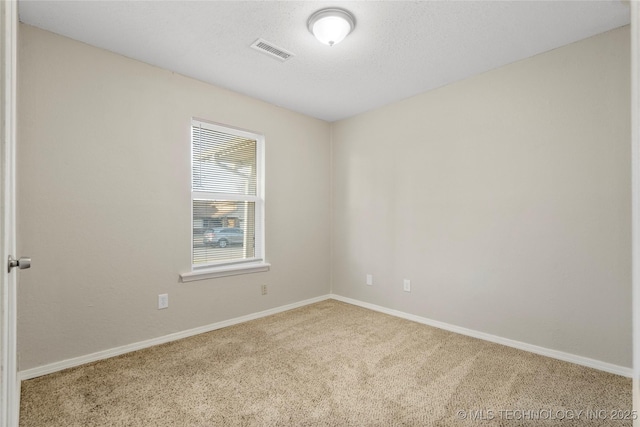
{"x": 93, "y": 357}
{"x": 555, "y": 354}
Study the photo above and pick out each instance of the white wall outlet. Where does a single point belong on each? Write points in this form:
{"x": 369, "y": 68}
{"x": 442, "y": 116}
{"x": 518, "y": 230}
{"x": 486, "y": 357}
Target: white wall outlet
{"x": 407, "y": 285}
{"x": 264, "y": 289}
{"x": 163, "y": 301}
{"x": 369, "y": 279}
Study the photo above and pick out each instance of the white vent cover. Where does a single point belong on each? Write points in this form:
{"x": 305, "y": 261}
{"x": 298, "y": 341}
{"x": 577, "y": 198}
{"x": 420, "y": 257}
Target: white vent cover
{"x": 272, "y": 50}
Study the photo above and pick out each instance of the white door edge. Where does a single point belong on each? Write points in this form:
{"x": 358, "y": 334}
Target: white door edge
{"x": 9, "y": 385}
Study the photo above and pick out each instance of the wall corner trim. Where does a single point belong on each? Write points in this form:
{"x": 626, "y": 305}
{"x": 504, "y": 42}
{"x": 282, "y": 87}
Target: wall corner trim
{"x": 543, "y": 351}
{"x": 105, "y": 354}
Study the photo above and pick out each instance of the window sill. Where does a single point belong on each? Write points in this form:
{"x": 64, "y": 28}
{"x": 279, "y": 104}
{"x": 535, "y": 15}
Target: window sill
{"x": 227, "y": 270}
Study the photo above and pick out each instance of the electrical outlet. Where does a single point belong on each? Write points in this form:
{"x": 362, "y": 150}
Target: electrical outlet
{"x": 407, "y": 285}
{"x": 369, "y": 279}
{"x": 264, "y": 289}
{"x": 163, "y": 301}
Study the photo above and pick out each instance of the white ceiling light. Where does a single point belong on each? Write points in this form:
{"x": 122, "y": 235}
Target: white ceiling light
{"x": 330, "y": 26}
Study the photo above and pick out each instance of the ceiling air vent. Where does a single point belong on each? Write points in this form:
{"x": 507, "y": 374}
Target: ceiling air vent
{"x": 272, "y": 50}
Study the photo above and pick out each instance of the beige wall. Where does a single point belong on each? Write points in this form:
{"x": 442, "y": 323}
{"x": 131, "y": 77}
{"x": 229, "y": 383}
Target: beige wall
{"x": 505, "y": 198}
{"x": 104, "y": 201}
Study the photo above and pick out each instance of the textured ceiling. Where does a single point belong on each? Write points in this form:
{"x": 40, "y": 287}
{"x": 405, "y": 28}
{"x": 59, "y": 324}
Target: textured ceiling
{"x": 398, "y": 49}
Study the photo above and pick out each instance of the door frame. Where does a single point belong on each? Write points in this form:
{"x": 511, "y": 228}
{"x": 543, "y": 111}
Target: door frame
{"x": 635, "y": 198}
{"x": 9, "y": 381}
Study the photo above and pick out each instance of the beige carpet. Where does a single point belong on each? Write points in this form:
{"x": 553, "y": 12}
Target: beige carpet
{"x": 327, "y": 364}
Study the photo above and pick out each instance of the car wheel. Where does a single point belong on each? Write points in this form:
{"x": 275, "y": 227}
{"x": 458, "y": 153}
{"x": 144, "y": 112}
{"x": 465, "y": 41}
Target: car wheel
{"x": 223, "y": 243}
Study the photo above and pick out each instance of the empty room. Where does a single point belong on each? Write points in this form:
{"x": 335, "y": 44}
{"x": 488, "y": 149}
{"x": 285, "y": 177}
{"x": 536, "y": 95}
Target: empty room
{"x": 320, "y": 213}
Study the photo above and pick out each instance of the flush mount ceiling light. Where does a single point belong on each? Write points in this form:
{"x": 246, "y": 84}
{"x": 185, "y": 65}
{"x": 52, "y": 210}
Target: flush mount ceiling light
{"x": 330, "y": 26}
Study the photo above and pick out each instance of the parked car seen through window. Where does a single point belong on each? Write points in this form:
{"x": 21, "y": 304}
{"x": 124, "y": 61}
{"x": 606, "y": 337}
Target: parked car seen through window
{"x": 223, "y": 237}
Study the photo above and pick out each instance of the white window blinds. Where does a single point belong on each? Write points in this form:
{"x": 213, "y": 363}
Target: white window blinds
{"x": 227, "y": 201}
{"x": 223, "y": 162}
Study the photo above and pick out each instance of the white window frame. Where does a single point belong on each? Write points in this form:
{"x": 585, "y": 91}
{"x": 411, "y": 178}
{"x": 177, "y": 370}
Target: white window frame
{"x": 236, "y": 266}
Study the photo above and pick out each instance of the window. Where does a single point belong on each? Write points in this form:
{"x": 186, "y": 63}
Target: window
{"x": 227, "y": 201}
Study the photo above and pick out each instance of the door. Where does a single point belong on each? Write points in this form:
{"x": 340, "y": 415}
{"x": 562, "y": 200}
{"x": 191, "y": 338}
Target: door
{"x": 9, "y": 386}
